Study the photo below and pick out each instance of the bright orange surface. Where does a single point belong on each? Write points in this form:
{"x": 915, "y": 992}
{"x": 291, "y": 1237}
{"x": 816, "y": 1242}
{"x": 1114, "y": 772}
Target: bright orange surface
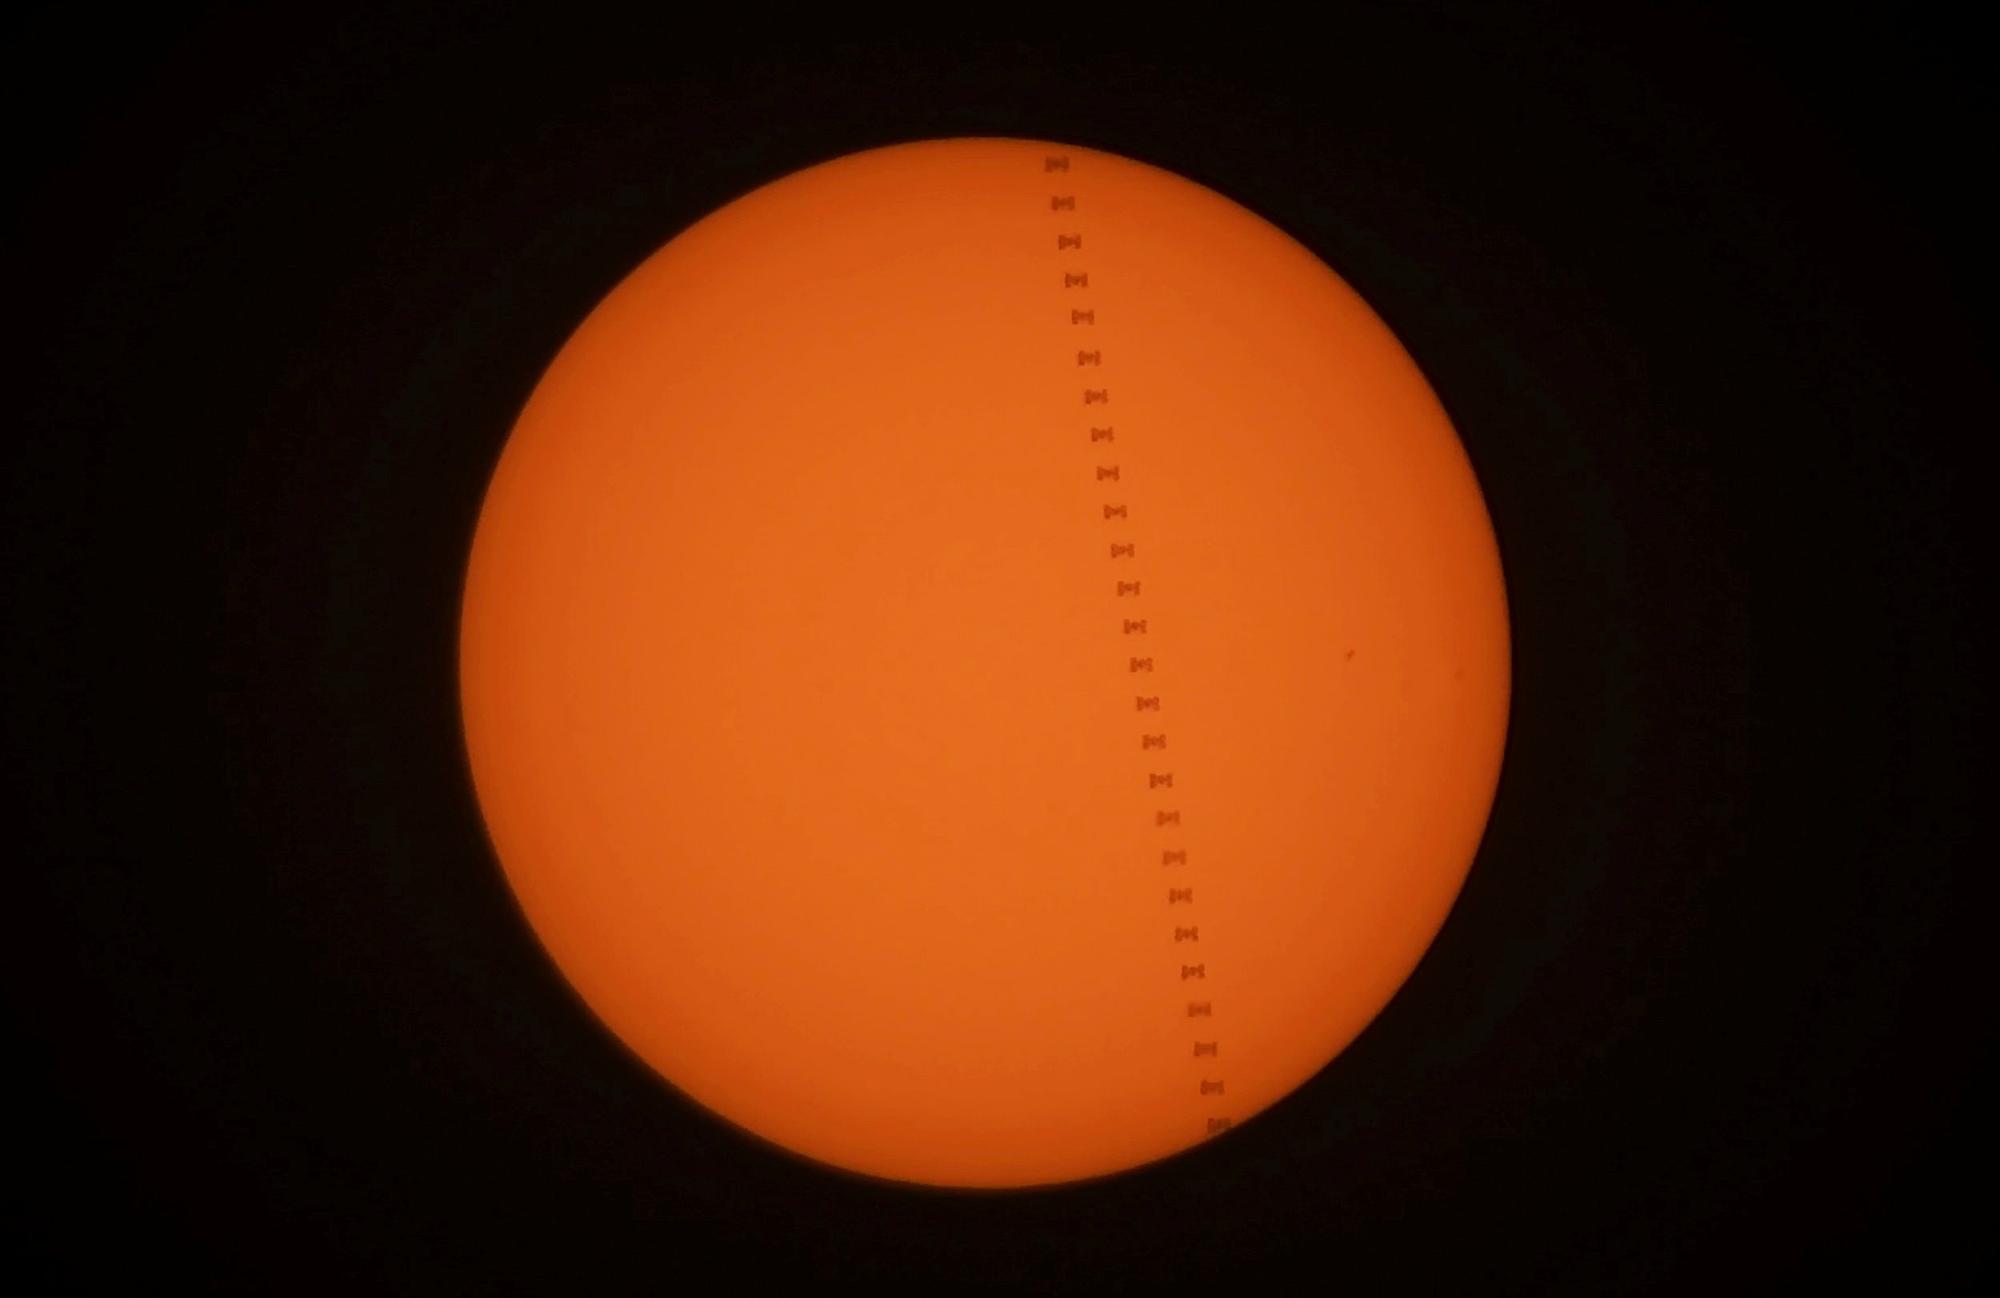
{"x": 800, "y": 704}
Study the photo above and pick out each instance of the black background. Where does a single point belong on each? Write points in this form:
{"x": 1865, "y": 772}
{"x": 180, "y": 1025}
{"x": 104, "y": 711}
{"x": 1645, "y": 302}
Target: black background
{"x": 1700, "y": 294}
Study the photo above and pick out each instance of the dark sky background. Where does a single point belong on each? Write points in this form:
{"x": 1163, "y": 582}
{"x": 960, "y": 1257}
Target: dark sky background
{"x": 1705, "y": 298}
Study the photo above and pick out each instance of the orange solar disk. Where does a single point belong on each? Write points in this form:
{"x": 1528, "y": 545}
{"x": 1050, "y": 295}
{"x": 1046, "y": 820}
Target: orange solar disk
{"x": 984, "y": 663}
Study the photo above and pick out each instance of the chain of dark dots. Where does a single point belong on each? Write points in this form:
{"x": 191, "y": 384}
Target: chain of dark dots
{"x": 1180, "y": 926}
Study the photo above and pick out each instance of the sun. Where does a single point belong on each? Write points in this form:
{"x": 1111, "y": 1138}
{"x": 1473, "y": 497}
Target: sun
{"x": 984, "y": 663}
